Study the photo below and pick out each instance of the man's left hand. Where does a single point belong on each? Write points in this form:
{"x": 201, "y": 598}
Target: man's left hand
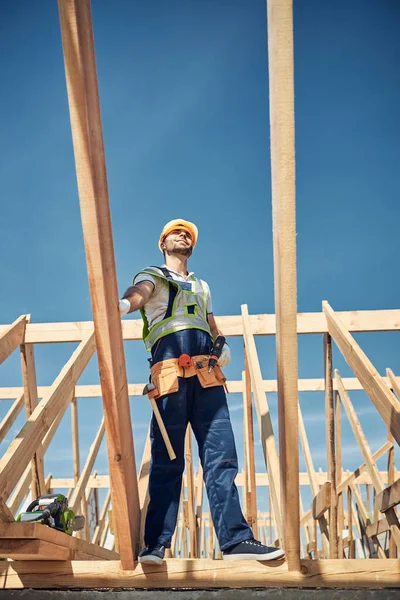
{"x": 225, "y": 357}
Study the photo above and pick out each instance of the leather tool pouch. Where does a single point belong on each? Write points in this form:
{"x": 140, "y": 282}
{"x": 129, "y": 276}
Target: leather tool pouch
{"x": 216, "y": 377}
{"x": 165, "y": 378}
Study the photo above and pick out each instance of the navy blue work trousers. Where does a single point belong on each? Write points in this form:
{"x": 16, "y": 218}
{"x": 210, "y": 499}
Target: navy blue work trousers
{"x": 207, "y": 412}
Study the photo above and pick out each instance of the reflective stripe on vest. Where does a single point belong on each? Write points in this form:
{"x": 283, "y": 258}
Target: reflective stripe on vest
{"x": 187, "y": 308}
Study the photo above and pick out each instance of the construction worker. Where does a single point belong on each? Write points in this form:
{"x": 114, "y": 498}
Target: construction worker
{"x": 178, "y": 320}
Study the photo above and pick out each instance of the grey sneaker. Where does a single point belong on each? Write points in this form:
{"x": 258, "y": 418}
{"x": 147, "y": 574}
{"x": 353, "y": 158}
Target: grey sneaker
{"x": 252, "y": 550}
{"x": 154, "y": 554}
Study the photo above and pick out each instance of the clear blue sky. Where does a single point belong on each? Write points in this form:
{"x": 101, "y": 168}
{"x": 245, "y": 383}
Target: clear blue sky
{"x": 184, "y": 97}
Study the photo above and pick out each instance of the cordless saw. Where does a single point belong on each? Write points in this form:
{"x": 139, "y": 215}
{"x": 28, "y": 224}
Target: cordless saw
{"x": 52, "y": 510}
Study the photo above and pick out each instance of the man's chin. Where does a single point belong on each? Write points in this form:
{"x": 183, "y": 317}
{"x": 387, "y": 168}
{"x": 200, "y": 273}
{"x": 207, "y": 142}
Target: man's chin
{"x": 183, "y": 251}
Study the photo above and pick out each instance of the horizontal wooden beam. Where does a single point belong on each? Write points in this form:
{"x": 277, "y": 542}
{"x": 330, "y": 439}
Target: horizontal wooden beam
{"x": 33, "y": 550}
{"x": 201, "y": 573}
{"x": 322, "y": 501}
{"x": 262, "y": 324}
{"x": 388, "y": 498}
{"x": 234, "y": 386}
{"x": 103, "y": 481}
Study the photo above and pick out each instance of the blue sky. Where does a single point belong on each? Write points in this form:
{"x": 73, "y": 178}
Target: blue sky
{"x": 184, "y": 98}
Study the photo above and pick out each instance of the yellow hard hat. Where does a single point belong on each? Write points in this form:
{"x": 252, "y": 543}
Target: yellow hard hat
{"x": 179, "y": 224}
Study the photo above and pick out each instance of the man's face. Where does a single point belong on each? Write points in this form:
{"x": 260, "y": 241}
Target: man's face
{"x": 179, "y": 241}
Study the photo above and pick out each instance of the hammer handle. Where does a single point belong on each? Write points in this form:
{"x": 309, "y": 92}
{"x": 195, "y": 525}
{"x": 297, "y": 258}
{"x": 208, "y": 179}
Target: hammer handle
{"x": 164, "y": 433}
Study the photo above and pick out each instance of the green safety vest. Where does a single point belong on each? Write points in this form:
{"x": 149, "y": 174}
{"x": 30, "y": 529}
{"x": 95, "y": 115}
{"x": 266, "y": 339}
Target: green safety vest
{"x": 187, "y": 307}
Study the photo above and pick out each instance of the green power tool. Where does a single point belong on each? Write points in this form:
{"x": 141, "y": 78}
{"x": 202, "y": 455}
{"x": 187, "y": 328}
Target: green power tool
{"x": 52, "y": 510}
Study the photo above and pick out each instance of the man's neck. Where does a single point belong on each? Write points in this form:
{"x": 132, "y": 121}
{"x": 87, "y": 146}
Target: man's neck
{"x": 177, "y": 263}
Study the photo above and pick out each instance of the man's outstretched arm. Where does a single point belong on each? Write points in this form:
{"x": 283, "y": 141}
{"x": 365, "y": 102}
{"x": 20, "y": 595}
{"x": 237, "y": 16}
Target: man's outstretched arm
{"x": 137, "y": 296}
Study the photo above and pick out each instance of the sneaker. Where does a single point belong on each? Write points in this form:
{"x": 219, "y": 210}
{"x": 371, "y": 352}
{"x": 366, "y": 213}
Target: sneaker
{"x": 252, "y": 550}
{"x": 154, "y": 554}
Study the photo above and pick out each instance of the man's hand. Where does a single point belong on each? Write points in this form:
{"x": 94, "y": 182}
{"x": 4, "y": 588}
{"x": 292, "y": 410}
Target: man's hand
{"x": 137, "y": 296}
{"x": 225, "y": 357}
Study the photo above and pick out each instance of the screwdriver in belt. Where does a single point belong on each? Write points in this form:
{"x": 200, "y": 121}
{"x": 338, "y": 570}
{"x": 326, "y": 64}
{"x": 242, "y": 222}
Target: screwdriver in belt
{"x": 216, "y": 352}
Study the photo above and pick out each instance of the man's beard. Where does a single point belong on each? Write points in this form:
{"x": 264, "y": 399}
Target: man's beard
{"x": 177, "y": 249}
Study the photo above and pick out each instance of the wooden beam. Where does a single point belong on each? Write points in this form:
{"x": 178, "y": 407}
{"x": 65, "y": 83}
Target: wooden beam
{"x": 143, "y": 485}
{"x": 84, "y": 105}
{"x": 382, "y": 397}
{"x": 235, "y": 387}
{"x": 190, "y": 493}
{"x": 264, "y": 421}
{"x": 322, "y": 501}
{"x": 200, "y": 574}
{"x": 394, "y": 382}
{"x": 391, "y": 480}
{"x": 250, "y": 491}
{"x": 261, "y": 324}
{"x": 87, "y": 469}
{"x": 33, "y": 550}
{"x": 367, "y": 454}
{"x": 11, "y": 415}
{"x": 388, "y": 498}
{"x": 199, "y": 506}
{"x": 31, "y": 402}
{"x": 339, "y": 475}
{"x": 102, "y": 519}
{"x": 11, "y": 337}
{"x": 281, "y": 108}
{"x": 356, "y": 476}
{"x": 330, "y": 446}
{"x": 36, "y": 531}
{"x": 377, "y": 528}
{"x": 323, "y": 525}
{"x": 21, "y": 450}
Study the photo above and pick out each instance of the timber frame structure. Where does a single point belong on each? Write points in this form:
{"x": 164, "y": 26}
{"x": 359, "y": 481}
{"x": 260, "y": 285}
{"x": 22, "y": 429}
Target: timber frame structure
{"x": 320, "y": 539}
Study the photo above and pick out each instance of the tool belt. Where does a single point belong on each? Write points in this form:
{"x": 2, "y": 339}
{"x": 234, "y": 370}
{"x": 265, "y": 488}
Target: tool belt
{"x": 164, "y": 374}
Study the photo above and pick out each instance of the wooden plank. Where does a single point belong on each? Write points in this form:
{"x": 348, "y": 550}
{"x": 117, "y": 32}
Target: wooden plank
{"x": 330, "y": 447}
{"x": 322, "y": 501}
{"x": 33, "y": 550}
{"x": 382, "y": 397}
{"x": 22, "y": 487}
{"x": 250, "y": 472}
{"x": 199, "y": 506}
{"x": 84, "y": 105}
{"x": 363, "y": 518}
{"x": 31, "y": 401}
{"x": 143, "y": 485}
{"x": 102, "y": 519}
{"x": 391, "y": 479}
{"x": 261, "y": 324}
{"x": 202, "y": 573}
{"x": 388, "y": 498}
{"x": 11, "y": 337}
{"x": 281, "y": 108}
{"x": 313, "y": 480}
{"x": 358, "y": 476}
{"x": 339, "y": 475}
{"x": 268, "y": 441}
{"x": 235, "y": 387}
{"x": 11, "y": 415}
{"x": 377, "y": 528}
{"x": 20, "y": 451}
{"x": 190, "y": 493}
{"x": 367, "y": 454}
{"x": 87, "y": 469}
{"x": 394, "y": 382}
{"x": 35, "y": 531}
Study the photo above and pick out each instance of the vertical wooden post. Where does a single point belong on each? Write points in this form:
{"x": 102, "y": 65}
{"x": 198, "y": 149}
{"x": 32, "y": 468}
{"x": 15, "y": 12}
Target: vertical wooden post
{"x": 84, "y": 105}
{"x": 339, "y": 472}
{"x": 281, "y": 92}
{"x": 190, "y": 489}
{"x": 330, "y": 445}
{"x": 350, "y": 521}
{"x": 250, "y": 478}
{"x": 391, "y": 478}
{"x": 76, "y": 459}
{"x": 31, "y": 402}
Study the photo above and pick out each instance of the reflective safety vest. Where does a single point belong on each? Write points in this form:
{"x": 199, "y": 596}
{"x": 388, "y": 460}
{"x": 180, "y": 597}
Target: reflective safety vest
{"x": 187, "y": 307}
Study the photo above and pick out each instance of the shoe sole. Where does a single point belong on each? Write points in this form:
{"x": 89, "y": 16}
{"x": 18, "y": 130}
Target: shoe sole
{"x": 155, "y": 560}
{"x": 279, "y": 553}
